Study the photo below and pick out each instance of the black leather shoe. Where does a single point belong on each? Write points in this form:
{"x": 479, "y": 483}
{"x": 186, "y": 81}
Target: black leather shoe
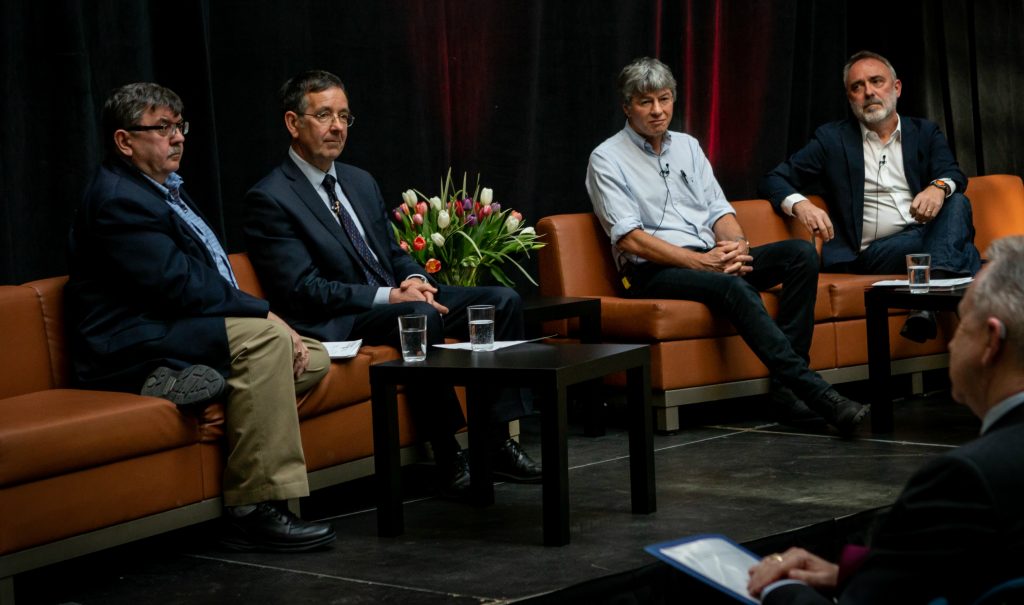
{"x": 453, "y": 477}
{"x": 512, "y": 463}
{"x": 195, "y": 385}
{"x": 841, "y": 412}
{"x": 268, "y": 526}
{"x": 919, "y": 326}
{"x": 790, "y": 409}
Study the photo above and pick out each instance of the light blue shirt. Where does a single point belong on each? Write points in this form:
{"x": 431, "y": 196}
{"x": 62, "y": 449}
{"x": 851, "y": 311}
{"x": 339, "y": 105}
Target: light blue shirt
{"x": 673, "y": 196}
{"x": 198, "y": 225}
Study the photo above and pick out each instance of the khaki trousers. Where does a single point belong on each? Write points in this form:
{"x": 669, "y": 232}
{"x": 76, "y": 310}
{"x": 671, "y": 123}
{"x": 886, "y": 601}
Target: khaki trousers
{"x": 265, "y": 460}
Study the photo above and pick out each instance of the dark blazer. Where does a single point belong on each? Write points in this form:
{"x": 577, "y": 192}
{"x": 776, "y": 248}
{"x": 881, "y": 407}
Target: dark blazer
{"x": 955, "y": 531}
{"x": 143, "y": 290}
{"x": 832, "y": 165}
{"x": 305, "y": 262}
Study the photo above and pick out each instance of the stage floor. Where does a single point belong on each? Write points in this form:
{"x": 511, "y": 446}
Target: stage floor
{"x": 732, "y": 470}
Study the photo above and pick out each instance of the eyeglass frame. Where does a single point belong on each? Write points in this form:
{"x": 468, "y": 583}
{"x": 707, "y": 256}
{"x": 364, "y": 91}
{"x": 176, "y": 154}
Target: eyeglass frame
{"x": 327, "y": 117}
{"x": 172, "y": 127}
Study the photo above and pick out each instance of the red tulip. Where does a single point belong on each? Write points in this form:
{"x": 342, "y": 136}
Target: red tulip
{"x": 419, "y": 243}
{"x": 433, "y": 265}
{"x": 403, "y": 245}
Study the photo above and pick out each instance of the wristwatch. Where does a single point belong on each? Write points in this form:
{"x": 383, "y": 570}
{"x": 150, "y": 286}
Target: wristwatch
{"x": 943, "y": 186}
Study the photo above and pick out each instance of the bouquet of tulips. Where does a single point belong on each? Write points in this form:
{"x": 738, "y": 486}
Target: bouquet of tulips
{"x": 460, "y": 237}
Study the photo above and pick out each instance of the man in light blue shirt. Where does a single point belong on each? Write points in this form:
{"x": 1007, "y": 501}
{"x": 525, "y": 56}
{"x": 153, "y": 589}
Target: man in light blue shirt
{"x": 674, "y": 235}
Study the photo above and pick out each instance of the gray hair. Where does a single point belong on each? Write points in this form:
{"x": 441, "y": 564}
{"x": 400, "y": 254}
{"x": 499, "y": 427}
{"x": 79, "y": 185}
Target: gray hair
{"x": 866, "y": 54}
{"x": 999, "y": 290}
{"x": 126, "y": 105}
{"x": 645, "y": 75}
{"x": 293, "y": 92}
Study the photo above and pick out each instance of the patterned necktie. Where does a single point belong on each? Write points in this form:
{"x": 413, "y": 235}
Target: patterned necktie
{"x": 375, "y": 274}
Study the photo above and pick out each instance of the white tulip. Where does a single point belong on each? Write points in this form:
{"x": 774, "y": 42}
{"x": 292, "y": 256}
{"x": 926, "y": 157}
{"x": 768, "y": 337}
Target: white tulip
{"x": 528, "y": 231}
{"x": 443, "y": 220}
{"x": 435, "y": 203}
{"x": 486, "y": 196}
{"x": 511, "y": 224}
{"x": 409, "y": 197}
{"x": 438, "y": 239}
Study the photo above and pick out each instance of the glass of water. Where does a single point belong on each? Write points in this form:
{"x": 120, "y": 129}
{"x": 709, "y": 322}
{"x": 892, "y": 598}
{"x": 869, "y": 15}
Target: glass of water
{"x": 919, "y": 272}
{"x": 412, "y": 330}
{"x": 481, "y": 327}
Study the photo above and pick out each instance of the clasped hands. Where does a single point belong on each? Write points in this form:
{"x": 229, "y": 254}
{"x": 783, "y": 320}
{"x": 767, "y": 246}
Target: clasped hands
{"x": 731, "y": 257}
{"x": 794, "y": 564}
{"x": 415, "y": 289}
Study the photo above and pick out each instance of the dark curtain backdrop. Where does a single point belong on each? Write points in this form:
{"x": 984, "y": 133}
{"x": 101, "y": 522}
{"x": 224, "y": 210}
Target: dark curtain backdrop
{"x": 518, "y": 91}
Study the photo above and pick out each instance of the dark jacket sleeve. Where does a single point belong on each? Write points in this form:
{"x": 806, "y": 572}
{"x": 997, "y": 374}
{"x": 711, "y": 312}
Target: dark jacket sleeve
{"x": 800, "y": 173}
{"x": 941, "y": 163}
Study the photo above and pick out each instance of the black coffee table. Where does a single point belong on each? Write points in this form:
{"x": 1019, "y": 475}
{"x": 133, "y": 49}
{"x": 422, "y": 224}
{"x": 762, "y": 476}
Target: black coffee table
{"x": 547, "y": 368}
{"x": 877, "y": 302}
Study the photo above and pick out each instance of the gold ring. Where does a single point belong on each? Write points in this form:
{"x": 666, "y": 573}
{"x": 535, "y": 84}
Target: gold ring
{"x": 776, "y": 557}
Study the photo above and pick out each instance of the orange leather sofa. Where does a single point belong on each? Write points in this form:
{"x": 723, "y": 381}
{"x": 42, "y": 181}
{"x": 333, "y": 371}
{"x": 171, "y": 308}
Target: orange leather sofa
{"x": 697, "y": 356}
{"x": 85, "y": 470}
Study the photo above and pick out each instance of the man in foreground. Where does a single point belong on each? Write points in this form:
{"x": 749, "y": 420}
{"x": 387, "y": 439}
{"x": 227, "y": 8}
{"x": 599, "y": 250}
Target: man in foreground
{"x": 319, "y": 238}
{"x": 674, "y": 235}
{"x": 153, "y": 307}
{"x": 957, "y": 529}
{"x": 891, "y": 184}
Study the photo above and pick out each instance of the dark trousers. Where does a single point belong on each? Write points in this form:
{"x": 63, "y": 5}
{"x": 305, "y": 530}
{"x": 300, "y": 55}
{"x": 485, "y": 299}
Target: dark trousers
{"x": 436, "y": 412}
{"x": 949, "y": 239}
{"x": 782, "y": 346}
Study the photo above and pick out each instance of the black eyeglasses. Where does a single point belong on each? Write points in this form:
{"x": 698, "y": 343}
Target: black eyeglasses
{"x": 327, "y": 117}
{"x": 164, "y": 129}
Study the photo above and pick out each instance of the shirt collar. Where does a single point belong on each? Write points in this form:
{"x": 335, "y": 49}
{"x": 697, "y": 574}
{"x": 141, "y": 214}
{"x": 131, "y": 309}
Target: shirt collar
{"x": 174, "y": 181}
{"x": 311, "y": 172}
{"x": 897, "y": 135}
{"x": 639, "y": 141}
{"x": 1001, "y": 409}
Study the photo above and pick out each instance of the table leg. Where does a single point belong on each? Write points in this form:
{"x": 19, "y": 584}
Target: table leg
{"x": 641, "y": 439}
{"x": 555, "y": 454}
{"x": 478, "y": 412}
{"x": 879, "y": 368}
{"x": 590, "y": 391}
{"x": 386, "y": 461}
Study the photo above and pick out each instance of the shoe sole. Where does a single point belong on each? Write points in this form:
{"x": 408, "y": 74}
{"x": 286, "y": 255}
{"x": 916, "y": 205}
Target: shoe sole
{"x": 519, "y": 478}
{"x": 244, "y": 545}
{"x": 192, "y": 386}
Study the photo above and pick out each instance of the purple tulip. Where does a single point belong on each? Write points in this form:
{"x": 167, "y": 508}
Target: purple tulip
{"x": 397, "y": 217}
{"x": 496, "y": 207}
{"x": 470, "y": 220}
{"x": 467, "y": 204}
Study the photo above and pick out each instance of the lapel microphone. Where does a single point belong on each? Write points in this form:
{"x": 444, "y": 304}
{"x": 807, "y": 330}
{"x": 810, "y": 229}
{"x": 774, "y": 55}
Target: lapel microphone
{"x": 664, "y": 171}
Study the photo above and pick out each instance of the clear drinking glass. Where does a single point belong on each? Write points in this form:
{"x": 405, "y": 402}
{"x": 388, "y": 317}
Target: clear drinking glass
{"x": 412, "y": 330}
{"x": 481, "y": 327}
{"x": 919, "y": 272}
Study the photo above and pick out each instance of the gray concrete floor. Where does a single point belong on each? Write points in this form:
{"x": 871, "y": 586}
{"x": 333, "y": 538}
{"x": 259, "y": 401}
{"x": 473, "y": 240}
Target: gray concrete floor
{"x": 731, "y": 470}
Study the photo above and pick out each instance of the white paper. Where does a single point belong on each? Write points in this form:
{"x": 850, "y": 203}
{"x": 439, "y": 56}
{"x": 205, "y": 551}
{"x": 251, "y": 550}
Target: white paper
{"x": 935, "y": 283}
{"x": 343, "y": 349}
{"x": 718, "y": 560}
{"x": 498, "y": 344}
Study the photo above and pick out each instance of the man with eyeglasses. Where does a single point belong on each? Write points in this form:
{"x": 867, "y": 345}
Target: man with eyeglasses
{"x": 153, "y": 307}
{"x": 318, "y": 235}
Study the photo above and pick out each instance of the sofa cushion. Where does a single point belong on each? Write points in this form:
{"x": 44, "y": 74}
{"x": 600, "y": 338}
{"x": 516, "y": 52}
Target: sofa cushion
{"x": 24, "y": 355}
{"x": 60, "y": 430}
{"x": 997, "y": 203}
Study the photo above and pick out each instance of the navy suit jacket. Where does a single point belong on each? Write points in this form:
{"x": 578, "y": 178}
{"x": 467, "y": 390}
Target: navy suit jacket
{"x": 143, "y": 290}
{"x": 306, "y": 264}
{"x": 832, "y": 165}
{"x": 955, "y": 531}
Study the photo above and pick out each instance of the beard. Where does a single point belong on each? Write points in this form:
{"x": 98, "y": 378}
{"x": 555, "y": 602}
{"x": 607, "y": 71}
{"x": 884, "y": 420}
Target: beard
{"x": 875, "y": 112}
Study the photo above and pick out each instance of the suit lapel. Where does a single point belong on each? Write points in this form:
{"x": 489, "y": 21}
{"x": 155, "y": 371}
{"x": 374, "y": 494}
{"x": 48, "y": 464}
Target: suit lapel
{"x": 315, "y": 205}
{"x": 853, "y": 146}
{"x": 909, "y": 136}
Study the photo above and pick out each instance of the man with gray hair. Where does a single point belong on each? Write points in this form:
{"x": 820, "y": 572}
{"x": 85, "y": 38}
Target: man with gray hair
{"x": 957, "y": 530}
{"x": 153, "y": 307}
{"x": 891, "y": 184}
{"x": 674, "y": 235}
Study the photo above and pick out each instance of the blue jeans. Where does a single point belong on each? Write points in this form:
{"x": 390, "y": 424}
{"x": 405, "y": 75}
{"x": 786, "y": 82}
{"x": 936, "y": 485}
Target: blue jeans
{"x": 782, "y": 346}
{"x": 949, "y": 239}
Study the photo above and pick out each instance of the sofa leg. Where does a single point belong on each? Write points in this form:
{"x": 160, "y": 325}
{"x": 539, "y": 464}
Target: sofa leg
{"x": 7, "y": 590}
{"x": 667, "y": 419}
{"x": 917, "y": 383}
